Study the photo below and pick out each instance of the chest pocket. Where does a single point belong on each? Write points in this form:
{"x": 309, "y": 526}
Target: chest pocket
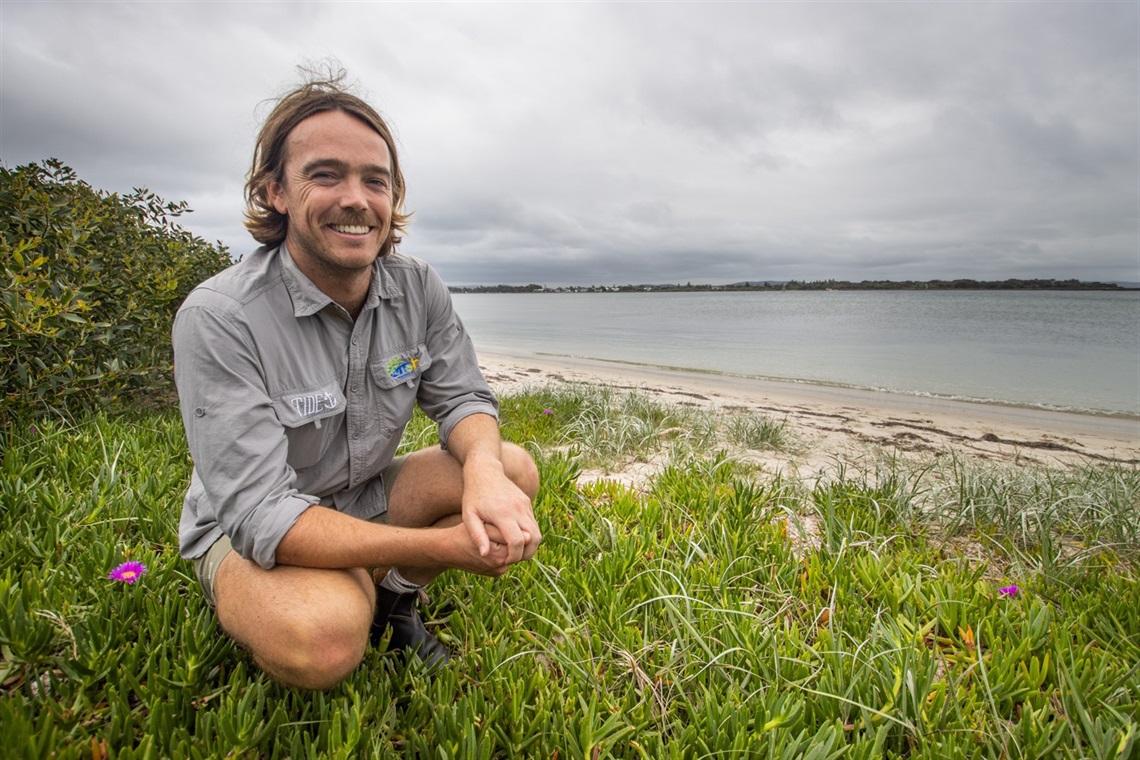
{"x": 312, "y": 420}
{"x": 403, "y": 367}
{"x": 397, "y": 379}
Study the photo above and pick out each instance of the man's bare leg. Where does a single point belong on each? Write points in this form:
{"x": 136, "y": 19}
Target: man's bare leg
{"x": 428, "y": 492}
{"x": 305, "y": 627}
{"x": 309, "y": 627}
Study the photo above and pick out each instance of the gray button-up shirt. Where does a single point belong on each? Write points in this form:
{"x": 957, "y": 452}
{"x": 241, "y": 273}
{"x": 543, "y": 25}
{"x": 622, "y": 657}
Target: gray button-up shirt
{"x": 288, "y": 402}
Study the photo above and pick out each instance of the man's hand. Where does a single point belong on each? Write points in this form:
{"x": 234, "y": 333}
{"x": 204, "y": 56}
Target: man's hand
{"x": 491, "y": 500}
{"x": 460, "y": 551}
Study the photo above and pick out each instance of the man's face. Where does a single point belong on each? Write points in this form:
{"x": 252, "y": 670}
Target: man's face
{"x": 337, "y": 193}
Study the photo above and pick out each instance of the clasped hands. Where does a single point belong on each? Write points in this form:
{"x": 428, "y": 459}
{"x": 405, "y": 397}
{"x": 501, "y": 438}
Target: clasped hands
{"x": 498, "y": 519}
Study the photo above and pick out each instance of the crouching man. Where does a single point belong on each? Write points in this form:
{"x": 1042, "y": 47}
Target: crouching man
{"x": 297, "y": 371}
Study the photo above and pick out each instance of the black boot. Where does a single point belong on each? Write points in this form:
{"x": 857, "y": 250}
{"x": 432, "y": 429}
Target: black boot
{"x": 398, "y": 612}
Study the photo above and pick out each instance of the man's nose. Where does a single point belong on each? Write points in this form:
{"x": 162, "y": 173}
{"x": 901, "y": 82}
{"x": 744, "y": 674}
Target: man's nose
{"x": 353, "y": 195}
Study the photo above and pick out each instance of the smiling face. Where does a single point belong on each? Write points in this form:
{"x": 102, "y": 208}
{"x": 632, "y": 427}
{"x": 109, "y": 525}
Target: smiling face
{"x": 336, "y": 190}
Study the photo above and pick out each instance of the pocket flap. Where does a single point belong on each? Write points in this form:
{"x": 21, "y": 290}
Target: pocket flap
{"x": 298, "y": 408}
{"x": 403, "y": 366}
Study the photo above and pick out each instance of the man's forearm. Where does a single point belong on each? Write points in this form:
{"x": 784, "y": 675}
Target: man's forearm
{"x": 475, "y": 440}
{"x": 323, "y": 537}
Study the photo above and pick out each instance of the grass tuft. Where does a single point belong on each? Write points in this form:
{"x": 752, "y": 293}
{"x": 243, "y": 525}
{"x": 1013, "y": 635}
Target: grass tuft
{"x": 760, "y": 432}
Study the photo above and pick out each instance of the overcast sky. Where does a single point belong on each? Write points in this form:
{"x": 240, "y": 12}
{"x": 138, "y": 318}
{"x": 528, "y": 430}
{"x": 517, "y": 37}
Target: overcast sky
{"x": 581, "y": 143}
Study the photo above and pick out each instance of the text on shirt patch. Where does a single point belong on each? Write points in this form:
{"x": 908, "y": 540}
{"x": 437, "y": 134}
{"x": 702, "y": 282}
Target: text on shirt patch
{"x": 314, "y": 403}
{"x": 402, "y": 367}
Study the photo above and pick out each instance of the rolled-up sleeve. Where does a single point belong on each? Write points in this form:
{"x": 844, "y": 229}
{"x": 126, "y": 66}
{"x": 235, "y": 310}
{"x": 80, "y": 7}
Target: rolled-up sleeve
{"x": 453, "y": 387}
{"x": 237, "y": 442}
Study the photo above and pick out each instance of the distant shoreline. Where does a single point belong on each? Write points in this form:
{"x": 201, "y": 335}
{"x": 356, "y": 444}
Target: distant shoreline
{"x": 815, "y": 285}
{"x": 840, "y": 387}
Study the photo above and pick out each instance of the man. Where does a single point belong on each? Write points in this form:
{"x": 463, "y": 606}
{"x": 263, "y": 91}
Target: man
{"x": 297, "y": 371}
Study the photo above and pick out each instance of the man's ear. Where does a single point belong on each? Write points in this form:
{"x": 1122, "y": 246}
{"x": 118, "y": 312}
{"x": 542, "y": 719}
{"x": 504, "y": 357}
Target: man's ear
{"x": 277, "y": 196}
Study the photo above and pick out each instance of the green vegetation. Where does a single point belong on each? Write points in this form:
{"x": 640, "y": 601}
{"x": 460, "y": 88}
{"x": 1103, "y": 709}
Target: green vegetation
{"x": 89, "y": 287}
{"x": 759, "y": 431}
{"x": 715, "y": 610}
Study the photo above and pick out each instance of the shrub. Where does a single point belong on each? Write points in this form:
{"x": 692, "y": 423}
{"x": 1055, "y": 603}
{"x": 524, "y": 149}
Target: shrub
{"x": 90, "y": 284}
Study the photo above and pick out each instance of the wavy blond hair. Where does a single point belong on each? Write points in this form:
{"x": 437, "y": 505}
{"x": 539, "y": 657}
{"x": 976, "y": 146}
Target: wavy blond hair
{"x": 317, "y": 95}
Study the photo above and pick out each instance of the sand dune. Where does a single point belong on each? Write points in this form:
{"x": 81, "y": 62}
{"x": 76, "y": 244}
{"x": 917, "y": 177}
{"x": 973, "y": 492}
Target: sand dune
{"x": 843, "y": 424}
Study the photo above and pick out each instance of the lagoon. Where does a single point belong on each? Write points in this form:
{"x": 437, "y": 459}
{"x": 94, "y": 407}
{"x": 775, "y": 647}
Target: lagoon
{"x": 1066, "y": 350}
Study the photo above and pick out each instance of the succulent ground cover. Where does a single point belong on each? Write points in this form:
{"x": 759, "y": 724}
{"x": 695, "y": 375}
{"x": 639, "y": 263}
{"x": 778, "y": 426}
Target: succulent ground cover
{"x": 947, "y": 608}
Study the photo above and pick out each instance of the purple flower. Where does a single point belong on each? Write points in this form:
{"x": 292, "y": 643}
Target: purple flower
{"x": 128, "y": 572}
{"x": 1010, "y": 591}
{"x": 548, "y": 411}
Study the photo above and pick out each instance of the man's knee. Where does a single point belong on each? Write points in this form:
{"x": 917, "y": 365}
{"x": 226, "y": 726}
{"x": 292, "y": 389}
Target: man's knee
{"x": 521, "y": 469}
{"x": 304, "y": 628}
{"x": 315, "y": 655}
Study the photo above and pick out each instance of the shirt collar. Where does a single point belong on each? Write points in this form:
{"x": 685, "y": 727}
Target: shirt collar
{"x": 383, "y": 284}
{"x": 308, "y": 299}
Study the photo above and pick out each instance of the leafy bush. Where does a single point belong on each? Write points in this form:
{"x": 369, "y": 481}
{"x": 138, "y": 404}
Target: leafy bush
{"x": 90, "y": 284}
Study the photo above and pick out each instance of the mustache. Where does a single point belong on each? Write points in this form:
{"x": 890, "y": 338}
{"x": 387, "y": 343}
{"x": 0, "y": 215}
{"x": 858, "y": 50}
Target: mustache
{"x": 355, "y": 220}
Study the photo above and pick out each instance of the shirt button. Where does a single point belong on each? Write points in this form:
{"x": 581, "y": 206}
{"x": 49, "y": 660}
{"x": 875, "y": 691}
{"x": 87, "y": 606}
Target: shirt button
{"x": 355, "y": 341}
{"x": 355, "y": 435}
{"x": 199, "y": 412}
{"x": 354, "y": 389}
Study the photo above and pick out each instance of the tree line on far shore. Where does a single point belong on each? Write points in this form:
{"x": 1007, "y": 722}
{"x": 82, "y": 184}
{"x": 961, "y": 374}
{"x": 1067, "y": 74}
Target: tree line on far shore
{"x": 767, "y": 285}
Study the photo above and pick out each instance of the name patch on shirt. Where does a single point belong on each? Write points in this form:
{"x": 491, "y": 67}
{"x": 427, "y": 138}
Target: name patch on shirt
{"x": 402, "y": 367}
{"x": 313, "y": 403}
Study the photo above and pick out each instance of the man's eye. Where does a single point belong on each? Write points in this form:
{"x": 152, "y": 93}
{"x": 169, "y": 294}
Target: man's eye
{"x": 378, "y": 182}
{"x": 324, "y": 177}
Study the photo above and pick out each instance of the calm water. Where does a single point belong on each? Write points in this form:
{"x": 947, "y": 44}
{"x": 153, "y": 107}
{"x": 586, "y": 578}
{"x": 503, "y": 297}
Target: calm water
{"x": 1064, "y": 350}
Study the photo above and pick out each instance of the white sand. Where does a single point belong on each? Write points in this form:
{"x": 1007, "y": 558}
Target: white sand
{"x": 841, "y": 424}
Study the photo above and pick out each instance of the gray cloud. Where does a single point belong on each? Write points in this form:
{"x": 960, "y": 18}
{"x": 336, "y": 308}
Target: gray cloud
{"x": 582, "y": 143}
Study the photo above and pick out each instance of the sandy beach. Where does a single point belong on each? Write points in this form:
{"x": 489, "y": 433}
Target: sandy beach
{"x": 841, "y": 425}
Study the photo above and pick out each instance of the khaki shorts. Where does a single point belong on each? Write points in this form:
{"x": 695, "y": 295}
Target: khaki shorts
{"x": 206, "y": 566}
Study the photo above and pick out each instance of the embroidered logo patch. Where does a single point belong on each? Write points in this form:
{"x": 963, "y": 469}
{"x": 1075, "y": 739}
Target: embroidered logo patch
{"x": 402, "y": 367}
